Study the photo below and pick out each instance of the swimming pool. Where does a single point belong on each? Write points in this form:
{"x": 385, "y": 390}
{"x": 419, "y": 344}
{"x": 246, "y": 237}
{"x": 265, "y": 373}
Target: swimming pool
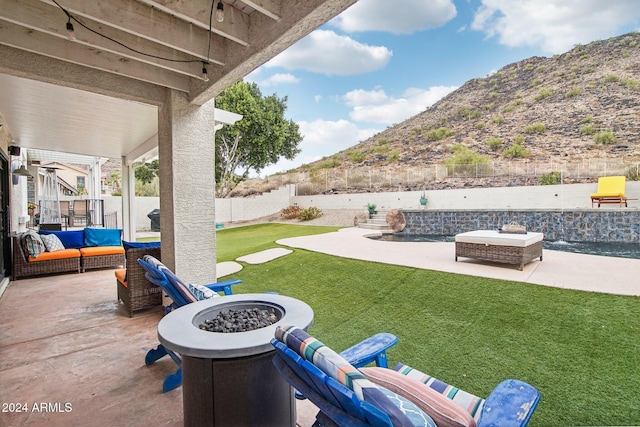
{"x": 620, "y": 250}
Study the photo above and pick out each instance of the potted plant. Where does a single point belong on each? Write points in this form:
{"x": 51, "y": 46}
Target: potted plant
{"x": 371, "y": 207}
{"x": 423, "y": 199}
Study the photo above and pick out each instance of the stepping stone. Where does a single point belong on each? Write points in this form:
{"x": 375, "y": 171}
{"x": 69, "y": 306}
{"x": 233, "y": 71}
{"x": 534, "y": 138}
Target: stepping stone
{"x": 226, "y": 268}
{"x": 264, "y": 256}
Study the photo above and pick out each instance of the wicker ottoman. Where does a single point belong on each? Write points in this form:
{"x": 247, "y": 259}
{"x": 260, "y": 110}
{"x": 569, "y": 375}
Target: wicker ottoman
{"x": 490, "y": 245}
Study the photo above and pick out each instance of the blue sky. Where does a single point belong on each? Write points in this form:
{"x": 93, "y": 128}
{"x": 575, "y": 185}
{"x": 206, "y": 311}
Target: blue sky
{"x": 383, "y": 61}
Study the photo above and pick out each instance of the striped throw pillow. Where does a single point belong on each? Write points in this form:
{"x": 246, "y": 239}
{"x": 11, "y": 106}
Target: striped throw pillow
{"x": 473, "y": 404}
{"x": 336, "y": 367}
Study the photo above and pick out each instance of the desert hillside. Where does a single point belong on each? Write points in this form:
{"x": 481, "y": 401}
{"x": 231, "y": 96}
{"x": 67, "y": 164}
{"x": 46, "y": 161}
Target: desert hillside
{"x": 582, "y": 104}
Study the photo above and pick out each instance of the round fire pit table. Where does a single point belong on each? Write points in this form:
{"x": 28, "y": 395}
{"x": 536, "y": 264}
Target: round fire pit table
{"x": 228, "y": 379}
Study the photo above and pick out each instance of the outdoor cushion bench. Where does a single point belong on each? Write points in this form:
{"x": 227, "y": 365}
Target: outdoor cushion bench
{"x": 52, "y": 252}
{"x": 507, "y": 248}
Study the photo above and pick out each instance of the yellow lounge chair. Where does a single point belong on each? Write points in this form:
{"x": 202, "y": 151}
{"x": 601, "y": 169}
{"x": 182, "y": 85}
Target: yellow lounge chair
{"x": 611, "y": 189}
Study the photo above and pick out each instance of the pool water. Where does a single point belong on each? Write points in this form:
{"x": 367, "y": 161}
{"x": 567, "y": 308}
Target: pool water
{"x": 620, "y": 250}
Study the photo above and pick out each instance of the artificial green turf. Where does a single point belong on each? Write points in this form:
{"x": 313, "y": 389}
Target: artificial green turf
{"x": 580, "y": 349}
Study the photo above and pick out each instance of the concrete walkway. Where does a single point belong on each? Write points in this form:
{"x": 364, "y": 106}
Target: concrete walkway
{"x": 590, "y": 273}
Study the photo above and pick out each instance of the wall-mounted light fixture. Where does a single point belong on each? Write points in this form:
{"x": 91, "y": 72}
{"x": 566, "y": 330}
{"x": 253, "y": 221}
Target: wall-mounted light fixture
{"x": 17, "y": 170}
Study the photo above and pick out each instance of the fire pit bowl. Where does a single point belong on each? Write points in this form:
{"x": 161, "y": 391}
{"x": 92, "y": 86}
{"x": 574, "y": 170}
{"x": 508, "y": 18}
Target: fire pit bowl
{"x": 228, "y": 378}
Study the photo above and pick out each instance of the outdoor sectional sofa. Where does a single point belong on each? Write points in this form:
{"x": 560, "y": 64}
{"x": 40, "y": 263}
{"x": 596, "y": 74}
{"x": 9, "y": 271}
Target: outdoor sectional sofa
{"x": 72, "y": 251}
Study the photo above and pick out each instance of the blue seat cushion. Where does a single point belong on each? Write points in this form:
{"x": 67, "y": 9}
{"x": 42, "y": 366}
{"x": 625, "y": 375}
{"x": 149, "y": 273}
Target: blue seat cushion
{"x": 102, "y": 237}
{"x": 72, "y": 239}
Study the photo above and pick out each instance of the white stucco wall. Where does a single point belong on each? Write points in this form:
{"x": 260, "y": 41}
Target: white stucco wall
{"x": 535, "y": 197}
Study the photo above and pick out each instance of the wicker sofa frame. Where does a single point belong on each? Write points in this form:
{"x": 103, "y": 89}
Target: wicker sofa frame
{"x": 518, "y": 255}
{"x": 102, "y": 261}
{"x": 139, "y": 294}
{"x": 23, "y": 268}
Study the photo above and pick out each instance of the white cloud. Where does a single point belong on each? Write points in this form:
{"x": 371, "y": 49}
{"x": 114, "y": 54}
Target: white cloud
{"x": 328, "y": 53}
{"x": 317, "y": 98}
{"x": 322, "y": 138}
{"x": 377, "y": 107}
{"x": 396, "y": 17}
{"x": 278, "y": 79}
{"x": 553, "y": 25}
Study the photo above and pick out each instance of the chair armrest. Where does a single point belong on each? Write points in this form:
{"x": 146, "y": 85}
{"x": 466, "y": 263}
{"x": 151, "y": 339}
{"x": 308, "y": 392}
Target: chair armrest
{"x": 511, "y": 403}
{"x": 373, "y": 348}
{"x": 224, "y": 286}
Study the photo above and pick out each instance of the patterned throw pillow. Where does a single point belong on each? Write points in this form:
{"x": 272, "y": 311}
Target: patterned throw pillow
{"x": 52, "y": 242}
{"x": 473, "y": 404}
{"x": 202, "y": 292}
{"x": 32, "y": 244}
{"x": 445, "y": 412}
{"x": 336, "y": 367}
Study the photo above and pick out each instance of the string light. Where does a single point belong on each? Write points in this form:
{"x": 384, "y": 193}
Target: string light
{"x": 220, "y": 12}
{"x": 205, "y": 76}
{"x": 70, "y": 31}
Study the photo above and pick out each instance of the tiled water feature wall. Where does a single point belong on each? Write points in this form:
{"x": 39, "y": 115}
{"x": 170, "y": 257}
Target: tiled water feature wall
{"x": 569, "y": 225}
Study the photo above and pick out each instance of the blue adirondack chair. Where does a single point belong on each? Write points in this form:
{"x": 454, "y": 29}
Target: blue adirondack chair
{"x": 180, "y": 294}
{"x": 335, "y": 386}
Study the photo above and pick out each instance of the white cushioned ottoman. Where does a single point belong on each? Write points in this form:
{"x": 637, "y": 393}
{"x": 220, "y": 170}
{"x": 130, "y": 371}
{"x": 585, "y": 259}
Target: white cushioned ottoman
{"x": 507, "y": 248}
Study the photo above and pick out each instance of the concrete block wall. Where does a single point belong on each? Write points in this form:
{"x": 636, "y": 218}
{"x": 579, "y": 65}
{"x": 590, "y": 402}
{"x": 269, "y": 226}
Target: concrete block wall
{"x": 574, "y": 196}
{"x": 247, "y": 208}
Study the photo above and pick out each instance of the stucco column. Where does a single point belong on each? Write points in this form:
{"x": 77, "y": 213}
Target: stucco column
{"x": 186, "y": 150}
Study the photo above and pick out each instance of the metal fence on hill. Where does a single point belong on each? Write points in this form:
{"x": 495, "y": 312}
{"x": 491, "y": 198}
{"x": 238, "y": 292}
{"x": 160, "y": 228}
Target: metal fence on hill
{"x": 321, "y": 180}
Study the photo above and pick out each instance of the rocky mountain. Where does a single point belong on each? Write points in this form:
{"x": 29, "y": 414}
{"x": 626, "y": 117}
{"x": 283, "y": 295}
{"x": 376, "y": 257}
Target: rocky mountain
{"x": 582, "y": 104}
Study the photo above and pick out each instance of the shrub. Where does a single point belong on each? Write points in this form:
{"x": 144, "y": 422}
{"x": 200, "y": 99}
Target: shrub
{"x": 497, "y": 120}
{"x": 573, "y": 92}
{"x": 310, "y": 213}
{"x": 543, "y": 93}
{"x": 515, "y": 151}
{"x": 587, "y": 130}
{"x": 290, "y": 212}
{"x": 464, "y": 160}
{"x": 551, "y": 178}
{"x": 605, "y": 137}
{"x": 631, "y": 84}
{"x": 393, "y": 156}
{"x": 633, "y": 174}
{"x": 535, "y": 128}
{"x": 356, "y": 156}
{"x": 611, "y": 78}
{"x": 439, "y": 134}
{"x": 479, "y": 125}
{"x": 383, "y": 140}
{"x": 495, "y": 143}
{"x": 587, "y": 119}
{"x": 328, "y": 163}
{"x": 518, "y": 139}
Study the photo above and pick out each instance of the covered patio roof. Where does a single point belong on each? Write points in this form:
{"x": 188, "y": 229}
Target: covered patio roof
{"x": 98, "y": 95}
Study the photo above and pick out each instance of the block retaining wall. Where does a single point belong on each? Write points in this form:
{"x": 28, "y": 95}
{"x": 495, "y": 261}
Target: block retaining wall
{"x": 571, "y": 226}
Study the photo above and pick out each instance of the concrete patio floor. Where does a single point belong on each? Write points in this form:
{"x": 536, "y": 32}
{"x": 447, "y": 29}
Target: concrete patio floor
{"x": 66, "y": 342}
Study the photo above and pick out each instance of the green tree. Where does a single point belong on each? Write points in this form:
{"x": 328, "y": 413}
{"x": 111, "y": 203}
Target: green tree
{"x": 261, "y": 138}
{"x": 146, "y": 172}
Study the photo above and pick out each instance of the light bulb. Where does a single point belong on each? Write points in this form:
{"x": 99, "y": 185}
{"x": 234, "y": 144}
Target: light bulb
{"x": 220, "y": 12}
{"x": 71, "y": 34}
{"x": 205, "y": 76}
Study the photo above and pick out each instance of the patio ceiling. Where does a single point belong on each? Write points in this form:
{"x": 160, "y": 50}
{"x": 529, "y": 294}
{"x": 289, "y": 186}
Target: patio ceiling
{"x": 94, "y": 97}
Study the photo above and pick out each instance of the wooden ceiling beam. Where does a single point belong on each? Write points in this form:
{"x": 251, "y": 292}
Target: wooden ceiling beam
{"x": 55, "y": 47}
{"x": 42, "y": 17}
{"x": 147, "y": 22}
{"x": 234, "y": 27}
{"x": 271, "y": 8}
